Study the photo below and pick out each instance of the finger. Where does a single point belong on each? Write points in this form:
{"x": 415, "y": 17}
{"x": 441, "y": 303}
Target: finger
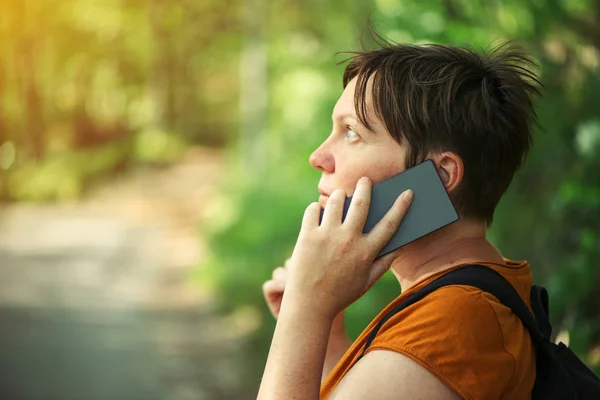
{"x": 381, "y": 266}
{"x": 273, "y": 288}
{"x": 359, "y": 206}
{"x": 279, "y": 274}
{"x": 311, "y": 216}
{"x": 273, "y": 295}
{"x": 387, "y": 226}
{"x": 334, "y": 209}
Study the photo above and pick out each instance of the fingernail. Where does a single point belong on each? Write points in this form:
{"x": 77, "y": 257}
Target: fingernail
{"x": 407, "y": 195}
{"x": 365, "y": 179}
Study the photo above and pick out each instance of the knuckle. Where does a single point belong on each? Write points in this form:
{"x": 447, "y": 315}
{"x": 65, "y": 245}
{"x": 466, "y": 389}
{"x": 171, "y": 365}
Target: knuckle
{"x": 314, "y": 205}
{"x": 360, "y": 203}
{"x": 390, "y": 225}
{"x": 335, "y": 201}
{"x": 310, "y": 208}
{"x": 278, "y": 272}
{"x": 266, "y": 287}
{"x": 337, "y": 197}
{"x": 321, "y": 240}
{"x": 346, "y": 245}
{"x": 364, "y": 255}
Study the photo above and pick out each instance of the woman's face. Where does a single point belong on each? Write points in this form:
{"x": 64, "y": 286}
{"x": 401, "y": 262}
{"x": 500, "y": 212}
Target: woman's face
{"x": 352, "y": 151}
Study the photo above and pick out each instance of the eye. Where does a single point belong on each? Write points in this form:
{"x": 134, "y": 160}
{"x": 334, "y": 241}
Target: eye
{"x": 351, "y": 134}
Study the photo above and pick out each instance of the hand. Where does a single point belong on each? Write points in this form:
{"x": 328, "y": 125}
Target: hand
{"x": 273, "y": 289}
{"x": 333, "y": 264}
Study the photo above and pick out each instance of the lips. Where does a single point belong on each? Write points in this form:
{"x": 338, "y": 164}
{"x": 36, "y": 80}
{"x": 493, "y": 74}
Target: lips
{"x": 324, "y": 192}
{"x": 323, "y": 198}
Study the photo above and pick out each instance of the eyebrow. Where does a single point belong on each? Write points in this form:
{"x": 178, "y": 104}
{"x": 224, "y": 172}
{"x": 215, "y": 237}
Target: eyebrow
{"x": 346, "y": 115}
{"x": 355, "y": 118}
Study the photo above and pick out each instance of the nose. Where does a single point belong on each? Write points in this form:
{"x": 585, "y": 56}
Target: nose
{"x": 322, "y": 159}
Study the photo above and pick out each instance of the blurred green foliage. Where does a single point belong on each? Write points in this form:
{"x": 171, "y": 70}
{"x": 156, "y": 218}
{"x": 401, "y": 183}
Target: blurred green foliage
{"x": 89, "y": 89}
{"x": 92, "y": 88}
{"x": 550, "y": 215}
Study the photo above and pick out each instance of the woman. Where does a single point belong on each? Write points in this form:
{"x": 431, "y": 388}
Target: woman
{"x": 471, "y": 114}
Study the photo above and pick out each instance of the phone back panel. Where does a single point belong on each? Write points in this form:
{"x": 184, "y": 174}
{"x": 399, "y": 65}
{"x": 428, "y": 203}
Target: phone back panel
{"x": 430, "y": 210}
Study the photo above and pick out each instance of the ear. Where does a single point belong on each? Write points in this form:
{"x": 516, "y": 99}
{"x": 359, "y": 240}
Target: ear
{"x": 450, "y": 168}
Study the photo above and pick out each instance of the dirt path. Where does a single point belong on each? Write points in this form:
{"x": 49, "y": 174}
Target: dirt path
{"x": 95, "y": 299}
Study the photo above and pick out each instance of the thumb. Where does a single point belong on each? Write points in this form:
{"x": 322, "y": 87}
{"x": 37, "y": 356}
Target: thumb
{"x": 381, "y": 266}
{"x": 273, "y": 287}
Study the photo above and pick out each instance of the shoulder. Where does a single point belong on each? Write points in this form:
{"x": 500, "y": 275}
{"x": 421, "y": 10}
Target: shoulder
{"x": 390, "y": 375}
{"x": 466, "y": 309}
{"x": 455, "y": 333}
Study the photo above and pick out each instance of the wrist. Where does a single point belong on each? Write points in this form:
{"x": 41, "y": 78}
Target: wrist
{"x": 301, "y": 309}
{"x": 301, "y": 300}
{"x": 338, "y": 326}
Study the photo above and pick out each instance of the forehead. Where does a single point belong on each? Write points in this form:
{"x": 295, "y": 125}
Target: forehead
{"x": 346, "y": 106}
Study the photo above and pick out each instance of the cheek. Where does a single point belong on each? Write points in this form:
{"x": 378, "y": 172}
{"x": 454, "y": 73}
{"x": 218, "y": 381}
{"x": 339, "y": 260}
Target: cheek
{"x": 388, "y": 163}
{"x": 376, "y": 171}
{"x": 385, "y": 171}
{"x": 376, "y": 162}
{"x": 351, "y": 179}
{"x": 348, "y": 172}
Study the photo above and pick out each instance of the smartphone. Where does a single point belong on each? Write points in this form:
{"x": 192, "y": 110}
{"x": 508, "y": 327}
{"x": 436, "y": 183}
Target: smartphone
{"x": 430, "y": 209}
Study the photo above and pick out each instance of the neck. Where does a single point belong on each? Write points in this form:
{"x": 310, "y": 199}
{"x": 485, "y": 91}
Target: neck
{"x": 461, "y": 242}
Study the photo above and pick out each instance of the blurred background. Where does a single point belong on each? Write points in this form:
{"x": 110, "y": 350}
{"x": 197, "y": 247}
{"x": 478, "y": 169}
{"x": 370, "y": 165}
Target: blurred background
{"x": 154, "y": 171}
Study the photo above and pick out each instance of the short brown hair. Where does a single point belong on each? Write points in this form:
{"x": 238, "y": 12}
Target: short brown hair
{"x": 435, "y": 98}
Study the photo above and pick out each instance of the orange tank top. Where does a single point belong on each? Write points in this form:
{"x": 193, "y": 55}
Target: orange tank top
{"x": 464, "y": 336}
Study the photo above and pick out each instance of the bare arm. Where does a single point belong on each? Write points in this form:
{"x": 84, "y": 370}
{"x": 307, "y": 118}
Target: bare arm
{"x": 339, "y": 342}
{"x": 297, "y": 356}
{"x": 383, "y": 374}
{"x": 313, "y": 298}
{"x": 297, "y": 353}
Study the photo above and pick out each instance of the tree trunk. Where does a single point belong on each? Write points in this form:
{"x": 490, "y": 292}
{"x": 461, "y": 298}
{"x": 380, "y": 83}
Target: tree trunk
{"x": 3, "y": 125}
{"x": 3, "y": 139}
{"x": 161, "y": 83}
{"x": 32, "y": 102}
{"x": 253, "y": 87}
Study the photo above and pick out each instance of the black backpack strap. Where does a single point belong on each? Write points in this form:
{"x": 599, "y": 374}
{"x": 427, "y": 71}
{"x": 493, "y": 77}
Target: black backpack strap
{"x": 478, "y": 276}
{"x": 552, "y": 379}
{"x": 540, "y": 306}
